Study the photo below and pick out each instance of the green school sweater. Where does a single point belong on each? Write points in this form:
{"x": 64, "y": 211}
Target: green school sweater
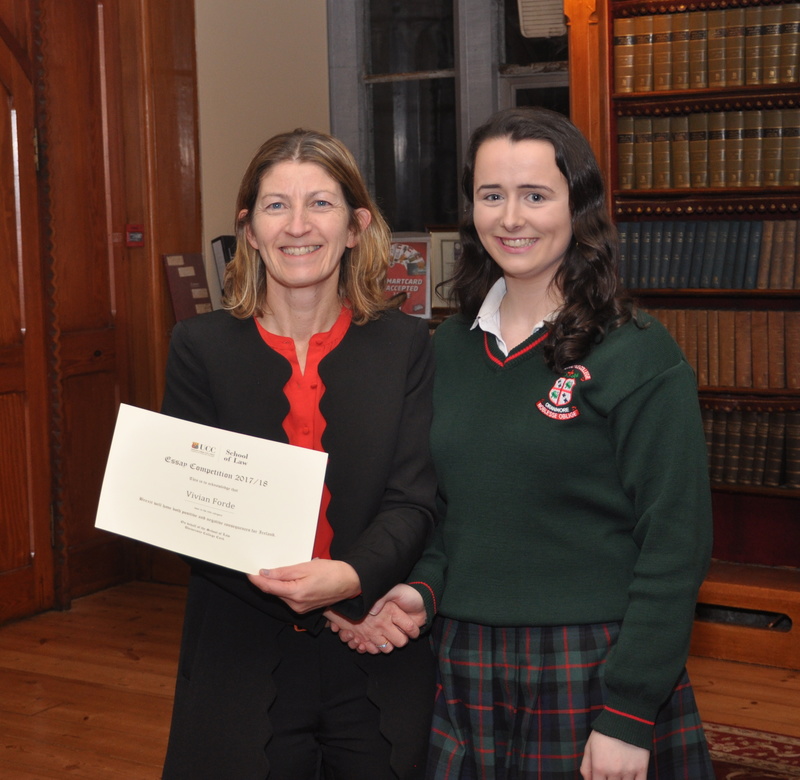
{"x": 573, "y": 499}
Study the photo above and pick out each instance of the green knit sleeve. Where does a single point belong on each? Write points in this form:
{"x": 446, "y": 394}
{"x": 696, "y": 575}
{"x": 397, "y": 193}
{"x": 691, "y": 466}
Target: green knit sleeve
{"x": 661, "y": 456}
{"x": 429, "y": 573}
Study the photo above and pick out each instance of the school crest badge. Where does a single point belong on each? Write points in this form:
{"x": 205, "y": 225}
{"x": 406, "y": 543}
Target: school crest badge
{"x": 558, "y": 404}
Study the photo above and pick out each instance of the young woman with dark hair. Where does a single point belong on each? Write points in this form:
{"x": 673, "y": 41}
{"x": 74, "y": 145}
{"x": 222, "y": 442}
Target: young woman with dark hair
{"x": 573, "y": 487}
{"x": 587, "y": 276}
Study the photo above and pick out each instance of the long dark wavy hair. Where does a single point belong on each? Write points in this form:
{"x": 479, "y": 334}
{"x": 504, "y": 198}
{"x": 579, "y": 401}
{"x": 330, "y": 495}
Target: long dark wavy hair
{"x": 587, "y": 278}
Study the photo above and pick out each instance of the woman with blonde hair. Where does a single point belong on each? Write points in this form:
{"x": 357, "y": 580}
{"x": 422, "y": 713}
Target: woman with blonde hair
{"x": 307, "y": 351}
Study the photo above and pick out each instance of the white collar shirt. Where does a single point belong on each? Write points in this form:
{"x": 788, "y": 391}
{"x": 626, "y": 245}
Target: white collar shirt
{"x": 488, "y": 319}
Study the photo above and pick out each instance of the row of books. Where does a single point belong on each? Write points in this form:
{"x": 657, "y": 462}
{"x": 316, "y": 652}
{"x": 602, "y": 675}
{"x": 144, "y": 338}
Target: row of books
{"x": 754, "y": 148}
{"x": 722, "y": 254}
{"x": 744, "y": 349}
{"x": 726, "y": 47}
{"x": 753, "y": 447}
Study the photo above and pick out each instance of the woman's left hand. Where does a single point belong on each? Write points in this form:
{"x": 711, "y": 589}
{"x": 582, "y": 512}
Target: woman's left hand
{"x": 308, "y": 586}
{"x": 605, "y": 758}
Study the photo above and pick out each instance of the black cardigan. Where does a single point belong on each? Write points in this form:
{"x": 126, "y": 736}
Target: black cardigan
{"x": 377, "y": 407}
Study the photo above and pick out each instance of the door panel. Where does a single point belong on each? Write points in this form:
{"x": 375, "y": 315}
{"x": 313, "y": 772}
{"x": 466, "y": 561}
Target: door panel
{"x": 81, "y": 254}
{"x": 26, "y": 557}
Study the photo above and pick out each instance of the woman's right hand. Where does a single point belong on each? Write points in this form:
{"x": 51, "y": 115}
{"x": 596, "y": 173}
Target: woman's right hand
{"x": 391, "y": 622}
{"x": 310, "y": 585}
{"x": 606, "y": 757}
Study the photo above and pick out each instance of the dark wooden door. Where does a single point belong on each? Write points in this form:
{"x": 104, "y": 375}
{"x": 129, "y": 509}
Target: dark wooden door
{"x": 26, "y": 556}
{"x": 83, "y": 250}
{"x": 108, "y": 89}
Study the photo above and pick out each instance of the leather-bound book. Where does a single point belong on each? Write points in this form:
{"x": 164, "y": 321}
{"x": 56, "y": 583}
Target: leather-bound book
{"x": 789, "y": 68}
{"x": 760, "y": 349}
{"x": 792, "y": 349}
{"x": 778, "y": 356}
{"x": 626, "y": 172}
{"x": 747, "y": 447}
{"x": 679, "y": 151}
{"x": 662, "y": 178}
{"x": 623, "y": 54}
{"x": 743, "y": 340}
{"x": 680, "y": 51}
{"x": 734, "y": 46}
{"x": 717, "y": 48}
{"x": 698, "y": 150}
{"x": 790, "y": 147}
{"x": 776, "y": 439}
{"x": 752, "y": 171}
{"x": 716, "y": 150}
{"x": 643, "y": 53}
{"x": 753, "y": 55}
{"x": 698, "y": 49}
{"x": 643, "y": 152}
{"x": 772, "y": 147}
{"x": 734, "y": 148}
{"x": 771, "y": 16}
{"x": 727, "y": 348}
{"x": 662, "y": 52}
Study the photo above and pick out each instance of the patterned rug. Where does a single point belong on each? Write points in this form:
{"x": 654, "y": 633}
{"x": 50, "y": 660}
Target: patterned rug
{"x": 743, "y": 754}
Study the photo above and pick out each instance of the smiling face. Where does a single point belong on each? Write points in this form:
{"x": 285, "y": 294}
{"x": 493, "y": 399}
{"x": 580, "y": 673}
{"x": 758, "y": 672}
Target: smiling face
{"x": 521, "y": 208}
{"x": 300, "y": 227}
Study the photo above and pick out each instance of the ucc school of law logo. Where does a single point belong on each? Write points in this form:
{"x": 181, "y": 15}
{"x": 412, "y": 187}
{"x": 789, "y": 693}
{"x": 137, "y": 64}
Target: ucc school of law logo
{"x": 557, "y": 405}
{"x": 204, "y": 449}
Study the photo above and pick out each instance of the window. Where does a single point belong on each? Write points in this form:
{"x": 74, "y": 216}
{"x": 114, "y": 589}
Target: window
{"x": 534, "y": 70}
{"x": 410, "y": 84}
{"x": 410, "y": 80}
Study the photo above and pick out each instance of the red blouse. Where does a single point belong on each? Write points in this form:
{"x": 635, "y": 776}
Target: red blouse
{"x": 304, "y": 425}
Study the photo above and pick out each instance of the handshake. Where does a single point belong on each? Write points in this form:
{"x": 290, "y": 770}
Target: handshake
{"x": 391, "y": 622}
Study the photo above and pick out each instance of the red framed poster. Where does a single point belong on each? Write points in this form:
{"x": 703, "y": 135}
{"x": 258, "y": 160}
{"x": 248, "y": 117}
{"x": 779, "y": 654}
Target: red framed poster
{"x": 409, "y": 273}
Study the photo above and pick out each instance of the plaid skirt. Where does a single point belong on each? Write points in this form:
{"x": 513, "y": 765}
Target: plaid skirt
{"x": 518, "y": 703}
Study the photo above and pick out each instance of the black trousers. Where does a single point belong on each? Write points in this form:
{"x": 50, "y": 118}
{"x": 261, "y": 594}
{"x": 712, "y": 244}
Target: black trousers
{"x": 256, "y": 699}
{"x": 324, "y": 726}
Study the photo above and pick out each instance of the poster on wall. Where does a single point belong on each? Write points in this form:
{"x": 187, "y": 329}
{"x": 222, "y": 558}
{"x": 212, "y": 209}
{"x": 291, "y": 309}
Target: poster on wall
{"x": 444, "y": 254}
{"x": 409, "y": 273}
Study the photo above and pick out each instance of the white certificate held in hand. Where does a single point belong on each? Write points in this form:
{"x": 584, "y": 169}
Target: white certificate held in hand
{"x": 234, "y": 500}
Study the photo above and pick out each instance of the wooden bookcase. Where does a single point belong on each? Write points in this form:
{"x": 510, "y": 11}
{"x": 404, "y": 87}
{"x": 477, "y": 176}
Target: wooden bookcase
{"x": 704, "y": 158}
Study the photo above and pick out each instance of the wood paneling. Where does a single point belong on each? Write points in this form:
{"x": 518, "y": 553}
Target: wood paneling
{"x": 85, "y": 320}
{"x": 74, "y": 95}
{"x": 158, "y": 118}
{"x": 118, "y": 140}
{"x": 109, "y": 89}
{"x": 26, "y": 562}
{"x": 588, "y": 73}
{"x": 763, "y": 530}
{"x": 16, "y": 31}
{"x": 14, "y": 507}
{"x": 774, "y": 592}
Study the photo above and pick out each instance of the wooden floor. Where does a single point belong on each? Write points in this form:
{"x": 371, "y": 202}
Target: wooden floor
{"x": 87, "y": 693}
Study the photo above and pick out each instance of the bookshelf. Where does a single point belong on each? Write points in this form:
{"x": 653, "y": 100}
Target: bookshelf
{"x": 704, "y": 115}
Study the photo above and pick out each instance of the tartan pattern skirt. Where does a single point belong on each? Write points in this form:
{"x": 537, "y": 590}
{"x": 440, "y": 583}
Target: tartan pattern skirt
{"x": 518, "y": 703}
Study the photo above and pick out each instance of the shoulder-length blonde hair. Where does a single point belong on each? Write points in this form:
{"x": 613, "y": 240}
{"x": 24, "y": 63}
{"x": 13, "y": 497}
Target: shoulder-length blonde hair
{"x": 362, "y": 274}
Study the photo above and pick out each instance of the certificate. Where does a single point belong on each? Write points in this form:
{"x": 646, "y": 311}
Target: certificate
{"x": 227, "y": 498}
